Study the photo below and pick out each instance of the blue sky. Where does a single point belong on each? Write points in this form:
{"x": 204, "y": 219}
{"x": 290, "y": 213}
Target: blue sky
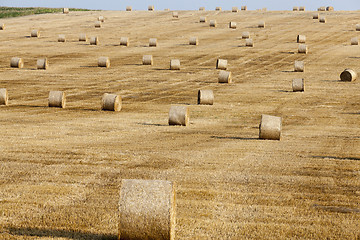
{"x": 185, "y": 4}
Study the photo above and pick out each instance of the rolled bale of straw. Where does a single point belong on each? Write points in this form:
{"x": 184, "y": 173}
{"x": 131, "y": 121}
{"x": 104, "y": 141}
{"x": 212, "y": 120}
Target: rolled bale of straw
{"x": 322, "y": 9}
{"x": 245, "y": 35}
{"x": 221, "y": 64}
{"x": 97, "y": 24}
{"x": 101, "y": 19}
{"x": 35, "y": 33}
{"x": 348, "y": 75}
{"x": 357, "y": 27}
{"x": 128, "y": 8}
{"x": 218, "y": 9}
{"x": 4, "y": 97}
{"x": 179, "y": 115}
{"x": 94, "y": 40}
{"x": 249, "y": 42}
{"x": 232, "y": 25}
{"x": 299, "y": 66}
{"x": 82, "y": 37}
{"x": 174, "y": 64}
{"x": 104, "y": 62}
{"x": 42, "y": 63}
{"x": 111, "y": 102}
{"x": 16, "y": 62}
{"x": 147, "y": 209}
{"x": 57, "y": 99}
{"x": 152, "y": 42}
{"x": 175, "y": 15}
{"x": 329, "y": 8}
{"x": 147, "y": 60}
{"x": 298, "y": 85}
{"x": 303, "y": 48}
{"x": 354, "y": 41}
{"x": 61, "y": 38}
{"x": 151, "y": 8}
{"x": 315, "y": 15}
{"x": 322, "y": 19}
{"x": 224, "y": 77}
{"x": 65, "y": 10}
{"x": 261, "y": 24}
{"x": 301, "y": 39}
{"x": 302, "y": 8}
{"x": 194, "y": 41}
{"x": 243, "y": 8}
{"x": 2, "y": 26}
{"x": 124, "y": 41}
{"x": 295, "y": 9}
{"x": 212, "y": 23}
{"x": 202, "y": 19}
{"x": 201, "y": 8}
{"x": 234, "y": 9}
{"x": 205, "y": 97}
{"x": 270, "y": 127}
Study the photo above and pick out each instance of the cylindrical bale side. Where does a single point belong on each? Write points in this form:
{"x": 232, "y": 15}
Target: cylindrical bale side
{"x": 245, "y": 35}
{"x": 4, "y": 97}
{"x": 322, "y": 19}
{"x": 16, "y": 62}
{"x": 298, "y": 85}
{"x": 302, "y": 8}
{"x": 295, "y": 9}
{"x": 61, "y": 38}
{"x": 101, "y": 19}
{"x": 322, "y": 9}
{"x": 354, "y": 41}
{"x": 2, "y": 26}
{"x": 348, "y": 75}
{"x": 175, "y": 64}
{"x": 124, "y": 41}
{"x": 357, "y": 27}
{"x": 42, "y": 63}
{"x": 57, "y": 99}
{"x": 175, "y": 15}
{"x": 202, "y": 19}
{"x": 147, "y": 209}
{"x": 151, "y": 8}
{"x": 201, "y": 8}
{"x": 218, "y": 9}
{"x": 194, "y": 41}
{"x": 82, "y": 37}
{"x": 225, "y": 77}
{"x": 301, "y": 39}
{"x": 232, "y": 25}
{"x": 234, "y": 9}
{"x": 299, "y": 66}
{"x": 104, "y": 62}
{"x": 35, "y": 33}
{"x": 329, "y": 8}
{"x": 128, "y": 8}
{"x": 303, "y": 48}
{"x": 179, "y": 115}
{"x": 243, "y": 8}
{"x": 65, "y": 10}
{"x": 270, "y": 127}
{"x": 205, "y": 97}
{"x": 147, "y": 60}
{"x": 249, "y": 42}
{"x": 261, "y": 24}
{"x": 152, "y": 42}
{"x": 315, "y": 15}
{"x": 221, "y": 64}
{"x": 97, "y": 24}
{"x": 94, "y": 40}
{"x": 212, "y": 23}
{"x": 111, "y": 102}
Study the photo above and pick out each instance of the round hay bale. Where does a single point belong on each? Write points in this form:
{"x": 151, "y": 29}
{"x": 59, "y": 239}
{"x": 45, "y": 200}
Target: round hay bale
{"x": 212, "y": 23}
{"x": 232, "y": 25}
{"x": 243, "y": 8}
{"x": 61, "y": 38}
{"x": 245, "y": 35}
{"x": 202, "y": 19}
{"x": 128, "y": 8}
{"x": 147, "y": 209}
{"x": 303, "y": 48}
{"x": 270, "y": 127}
{"x": 301, "y": 39}
{"x": 16, "y": 62}
{"x": 4, "y": 97}
{"x": 295, "y": 9}
{"x": 329, "y": 8}
{"x": 298, "y": 85}
{"x": 111, "y": 102}
{"x": 205, "y": 97}
{"x": 152, "y": 42}
{"x": 201, "y": 8}
{"x": 299, "y": 66}
{"x": 234, "y": 9}
{"x": 218, "y": 9}
{"x": 357, "y": 27}
{"x": 221, "y": 64}
{"x": 225, "y": 77}
{"x": 57, "y": 99}
{"x": 348, "y": 75}
{"x": 147, "y": 60}
{"x": 94, "y": 40}
{"x": 315, "y": 15}
{"x": 261, "y": 24}
{"x": 175, "y": 64}
{"x": 124, "y": 41}
{"x": 2, "y": 26}
{"x": 249, "y": 42}
{"x": 101, "y": 19}
{"x": 42, "y": 63}
{"x": 104, "y": 62}
{"x": 322, "y": 19}
{"x": 175, "y": 15}
{"x": 97, "y": 24}
{"x": 66, "y": 10}
{"x": 302, "y": 8}
{"x": 35, "y": 33}
{"x": 179, "y": 115}
{"x": 82, "y": 37}
{"x": 322, "y": 9}
{"x": 354, "y": 41}
{"x": 193, "y": 41}
{"x": 151, "y": 8}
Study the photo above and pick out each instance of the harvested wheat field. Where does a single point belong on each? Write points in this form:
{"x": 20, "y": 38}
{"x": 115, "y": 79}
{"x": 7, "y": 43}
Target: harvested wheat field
{"x": 61, "y": 168}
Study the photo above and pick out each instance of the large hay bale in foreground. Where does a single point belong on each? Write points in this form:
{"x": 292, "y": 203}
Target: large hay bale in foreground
{"x": 303, "y": 48}
{"x": 42, "y": 63}
{"x": 151, "y": 8}
{"x": 348, "y": 75}
{"x": 243, "y": 8}
{"x": 245, "y": 35}
{"x": 124, "y": 41}
{"x": 298, "y": 85}
{"x": 234, "y": 9}
{"x": 152, "y": 42}
{"x": 299, "y": 66}
{"x": 82, "y": 37}
{"x": 104, "y": 62}
{"x": 16, "y": 62}
{"x": 101, "y": 19}
{"x": 147, "y": 209}
{"x": 212, "y": 23}
{"x": 249, "y": 42}
{"x": 301, "y": 39}
{"x": 354, "y": 41}
{"x": 111, "y": 102}
{"x": 218, "y": 9}
{"x": 61, "y": 38}
{"x": 128, "y": 8}
{"x": 193, "y": 41}
{"x": 174, "y": 64}
{"x": 147, "y": 60}
{"x": 66, "y": 10}
{"x": 2, "y": 26}
{"x": 270, "y": 127}
{"x": 35, "y": 33}
{"x": 261, "y": 24}
{"x": 322, "y": 19}
{"x": 97, "y": 24}
{"x": 57, "y": 99}
{"x": 315, "y": 15}
{"x": 202, "y": 19}
{"x": 232, "y": 25}
{"x": 205, "y": 97}
{"x": 224, "y": 77}
{"x": 221, "y": 64}
{"x": 179, "y": 115}
{"x": 4, "y": 97}
{"x": 94, "y": 40}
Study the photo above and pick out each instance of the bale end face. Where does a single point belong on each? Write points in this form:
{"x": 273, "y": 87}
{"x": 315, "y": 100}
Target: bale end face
{"x": 348, "y": 75}
{"x": 298, "y": 85}
{"x": 4, "y": 97}
{"x": 147, "y": 60}
{"x": 179, "y": 115}
{"x": 42, "y": 63}
{"x": 57, "y": 99}
{"x": 104, "y": 62}
{"x": 175, "y": 64}
{"x": 224, "y": 77}
{"x": 221, "y": 64}
{"x": 16, "y": 62}
{"x": 270, "y": 127}
{"x": 299, "y": 66}
{"x": 111, "y": 102}
{"x": 205, "y": 97}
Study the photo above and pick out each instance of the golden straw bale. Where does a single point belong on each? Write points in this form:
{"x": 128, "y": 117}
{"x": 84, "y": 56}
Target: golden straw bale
{"x": 298, "y": 85}
{"x": 152, "y": 42}
{"x": 193, "y": 41}
{"x": 205, "y": 97}
{"x": 179, "y": 115}
{"x": 299, "y": 66}
{"x": 270, "y": 127}
{"x": 104, "y": 62}
{"x": 4, "y": 97}
{"x": 94, "y": 40}
{"x": 57, "y": 99}
{"x": 175, "y": 64}
{"x": 221, "y": 64}
{"x": 348, "y": 75}
{"x": 147, "y": 60}
{"x": 82, "y": 37}
{"x": 16, "y": 62}
{"x": 42, "y": 63}
{"x": 224, "y": 77}
{"x": 111, "y": 102}
{"x": 124, "y": 41}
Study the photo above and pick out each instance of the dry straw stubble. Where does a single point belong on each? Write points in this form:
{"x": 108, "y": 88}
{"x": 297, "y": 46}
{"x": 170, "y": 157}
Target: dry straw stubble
{"x": 179, "y": 115}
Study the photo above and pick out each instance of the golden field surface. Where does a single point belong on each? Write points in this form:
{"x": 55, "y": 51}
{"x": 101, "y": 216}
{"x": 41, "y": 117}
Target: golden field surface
{"x": 61, "y": 169}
